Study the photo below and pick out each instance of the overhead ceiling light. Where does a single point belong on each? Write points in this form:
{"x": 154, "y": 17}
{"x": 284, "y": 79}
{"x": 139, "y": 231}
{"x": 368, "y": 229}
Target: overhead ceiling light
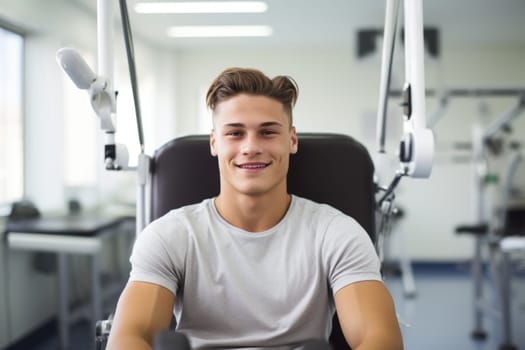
{"x": 202, "y": 7}
{"x": 218, "y": 31}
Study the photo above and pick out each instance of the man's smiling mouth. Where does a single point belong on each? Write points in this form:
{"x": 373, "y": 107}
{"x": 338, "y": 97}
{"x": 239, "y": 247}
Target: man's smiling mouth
{"x": 253, "y": 166}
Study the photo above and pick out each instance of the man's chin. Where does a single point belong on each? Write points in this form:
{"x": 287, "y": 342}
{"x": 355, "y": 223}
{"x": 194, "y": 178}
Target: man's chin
{"x": 254, "y": 192}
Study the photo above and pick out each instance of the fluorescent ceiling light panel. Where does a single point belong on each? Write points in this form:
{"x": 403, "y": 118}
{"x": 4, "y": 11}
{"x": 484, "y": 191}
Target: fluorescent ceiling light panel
{"x": 218, "y": 31}
{"x": 202, "y": 7}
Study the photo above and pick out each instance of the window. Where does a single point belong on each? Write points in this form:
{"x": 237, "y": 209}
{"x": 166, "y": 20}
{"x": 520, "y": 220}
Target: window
{"x": 11, "y": 126}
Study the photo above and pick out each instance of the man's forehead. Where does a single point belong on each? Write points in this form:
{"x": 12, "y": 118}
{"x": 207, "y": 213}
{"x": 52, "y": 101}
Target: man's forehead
{"x": 250, "y": 110}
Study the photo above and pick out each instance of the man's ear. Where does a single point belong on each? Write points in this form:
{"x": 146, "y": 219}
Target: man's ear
{"x": 294, "y": 141}
{"x": 213, "y": 151}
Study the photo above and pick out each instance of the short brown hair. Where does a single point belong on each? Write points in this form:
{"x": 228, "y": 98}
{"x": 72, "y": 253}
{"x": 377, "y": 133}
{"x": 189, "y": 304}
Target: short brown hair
{"x": 235, "y": 81}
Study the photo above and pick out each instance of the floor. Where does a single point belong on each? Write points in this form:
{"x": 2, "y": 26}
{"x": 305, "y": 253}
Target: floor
{"x": 438, "y": 317}
{"x": 441, "y": 316}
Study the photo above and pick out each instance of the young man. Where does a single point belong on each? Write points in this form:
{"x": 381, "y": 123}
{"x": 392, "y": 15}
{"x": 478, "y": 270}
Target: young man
{"x": 254, "y": 267}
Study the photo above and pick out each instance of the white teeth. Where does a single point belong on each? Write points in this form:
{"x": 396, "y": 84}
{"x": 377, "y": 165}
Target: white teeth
{"x": 253, "y": 166}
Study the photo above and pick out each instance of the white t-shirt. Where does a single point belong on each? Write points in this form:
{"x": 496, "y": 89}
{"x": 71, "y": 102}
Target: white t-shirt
{"x": 237, "y": 289}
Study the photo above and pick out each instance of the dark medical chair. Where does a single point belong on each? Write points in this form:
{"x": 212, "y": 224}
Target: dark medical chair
{"x": 328, "y": 168}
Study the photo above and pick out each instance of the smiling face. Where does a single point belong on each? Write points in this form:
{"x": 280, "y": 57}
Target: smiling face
{"x": 253, "y": 140}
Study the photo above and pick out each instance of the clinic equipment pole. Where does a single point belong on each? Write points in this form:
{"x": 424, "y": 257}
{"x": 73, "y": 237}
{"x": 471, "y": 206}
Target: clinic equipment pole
{"x": 387, "y": 58}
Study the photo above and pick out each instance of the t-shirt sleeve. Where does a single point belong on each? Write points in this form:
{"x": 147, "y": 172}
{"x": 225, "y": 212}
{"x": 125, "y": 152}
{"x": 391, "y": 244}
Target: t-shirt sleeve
{"x": 349, "y": 254}
{"x": 155, "y": 259}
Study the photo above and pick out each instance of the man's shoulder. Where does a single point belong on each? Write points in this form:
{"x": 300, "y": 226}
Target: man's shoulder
{"x": 308, "y": 205}
{"x": 180, "y": 216}
{"x": 321, "y": 213}
{"x": 188, "y": 210}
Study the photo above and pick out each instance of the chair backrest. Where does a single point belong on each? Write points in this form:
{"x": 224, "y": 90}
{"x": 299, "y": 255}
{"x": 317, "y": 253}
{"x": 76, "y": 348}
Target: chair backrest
{"x": 328, "y": 168}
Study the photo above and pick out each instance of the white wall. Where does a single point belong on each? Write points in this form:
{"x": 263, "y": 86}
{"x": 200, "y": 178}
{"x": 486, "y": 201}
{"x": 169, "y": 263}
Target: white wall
{"x": 322, "y": 76}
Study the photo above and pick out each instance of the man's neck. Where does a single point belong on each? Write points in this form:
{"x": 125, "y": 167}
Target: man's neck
{"x": 253, "y": 213}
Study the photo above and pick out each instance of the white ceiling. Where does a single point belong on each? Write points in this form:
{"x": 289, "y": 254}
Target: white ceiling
{"x": 335, "y": 23}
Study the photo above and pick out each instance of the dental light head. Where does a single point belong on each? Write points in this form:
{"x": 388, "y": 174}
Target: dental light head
{"x": 102, "y": 96}
{"x": 76, "y": 68}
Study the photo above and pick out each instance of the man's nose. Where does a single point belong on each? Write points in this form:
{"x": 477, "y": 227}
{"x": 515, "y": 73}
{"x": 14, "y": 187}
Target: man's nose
{"x": 251, "y": 145}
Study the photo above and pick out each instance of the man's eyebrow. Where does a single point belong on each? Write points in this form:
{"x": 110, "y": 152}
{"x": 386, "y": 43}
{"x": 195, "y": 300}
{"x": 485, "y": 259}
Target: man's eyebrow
{"x": 234, "y": 125}
{"x": 262, "y": 125}
{"x": 266, "y": 124}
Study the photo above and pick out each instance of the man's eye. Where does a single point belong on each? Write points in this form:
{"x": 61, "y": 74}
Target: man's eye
{"x": 268, "y": 132}
{"x": 234, "y": 133}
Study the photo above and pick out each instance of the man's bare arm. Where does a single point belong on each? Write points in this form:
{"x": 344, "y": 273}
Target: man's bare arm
{"x": 367, "y": 316}
{"x": 142, "y": 311}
